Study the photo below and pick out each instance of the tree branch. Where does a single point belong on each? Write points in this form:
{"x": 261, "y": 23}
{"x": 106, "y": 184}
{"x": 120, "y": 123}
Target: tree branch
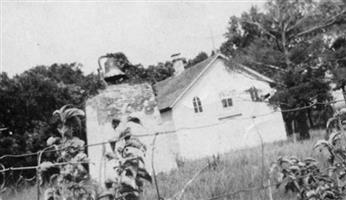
{"x": 262, "y": 28}
{"x": 329, "y": 22}
{"x": 266, "y": 32}
{"x": 297, "y": 23}
{"x": 269, "y": 66}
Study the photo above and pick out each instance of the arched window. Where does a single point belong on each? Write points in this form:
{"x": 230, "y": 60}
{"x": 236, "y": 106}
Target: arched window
{"x": 197, "y": 105}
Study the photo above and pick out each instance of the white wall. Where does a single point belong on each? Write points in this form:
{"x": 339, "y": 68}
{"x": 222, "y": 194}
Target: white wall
{"x": 223, "y": 135}
{"x": 101, "y": 109}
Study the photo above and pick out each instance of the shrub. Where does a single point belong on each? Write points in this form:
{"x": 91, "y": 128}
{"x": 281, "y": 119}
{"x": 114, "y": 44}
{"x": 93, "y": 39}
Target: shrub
{"x": 306, "y": 178}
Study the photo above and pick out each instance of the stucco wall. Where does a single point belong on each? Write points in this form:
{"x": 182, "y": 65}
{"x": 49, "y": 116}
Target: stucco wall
{"x": 101, "y": 109}
{"x": 221, "y": 135}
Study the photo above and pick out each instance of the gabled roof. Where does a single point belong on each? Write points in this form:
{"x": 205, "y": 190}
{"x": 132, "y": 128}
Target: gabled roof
{"x": 169, "y": 91}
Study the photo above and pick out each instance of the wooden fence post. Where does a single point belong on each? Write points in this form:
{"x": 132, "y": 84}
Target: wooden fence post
{"x": 270, "y": 190}
{"x": 38, "y": 174}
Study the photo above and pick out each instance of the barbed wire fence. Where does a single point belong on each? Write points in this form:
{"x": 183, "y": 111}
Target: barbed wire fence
{"x": 178, "y": 195}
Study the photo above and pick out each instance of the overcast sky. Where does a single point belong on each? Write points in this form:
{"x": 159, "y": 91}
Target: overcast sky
{"x": 43, "y": 33}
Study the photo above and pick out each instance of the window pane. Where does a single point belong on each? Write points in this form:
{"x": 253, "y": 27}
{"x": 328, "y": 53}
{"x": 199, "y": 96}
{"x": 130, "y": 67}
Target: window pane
{"x": 224, "y": 103}
{"x": 230, "y": 102}
{"x": 256, "y": 94}
{"x": 197, "y": 105}
{"x": 194, "y": 104}
{"x": 199, "y": 102}
{"x": 252, "y": 94}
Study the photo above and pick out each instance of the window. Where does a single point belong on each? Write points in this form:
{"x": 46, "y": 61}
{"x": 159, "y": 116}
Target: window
{"x": 197, "y": 105}
{"x": 254, "y": 94}
{"x": 227, "y": 102}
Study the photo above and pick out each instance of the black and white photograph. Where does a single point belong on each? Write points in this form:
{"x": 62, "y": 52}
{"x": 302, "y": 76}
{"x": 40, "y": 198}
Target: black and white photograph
{"x": 173, "y": 100}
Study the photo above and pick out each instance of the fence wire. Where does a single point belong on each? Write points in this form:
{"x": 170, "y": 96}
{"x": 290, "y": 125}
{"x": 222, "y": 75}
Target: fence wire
{"x": 176, "y": 130}
{"x": 178, "y": 195}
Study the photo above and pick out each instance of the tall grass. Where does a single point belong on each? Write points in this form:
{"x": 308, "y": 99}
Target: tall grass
{"x": 236, "y": 170}
{"x": 23, "y": 194}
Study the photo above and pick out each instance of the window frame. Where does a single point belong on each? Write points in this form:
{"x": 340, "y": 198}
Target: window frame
{"x": 197, "y": 105}
{"x": 254, "y": 94}
{"x": 227, "y": 102}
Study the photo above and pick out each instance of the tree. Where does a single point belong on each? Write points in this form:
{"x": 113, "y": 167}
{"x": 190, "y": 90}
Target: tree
{"x": 160, "y": 71}
{"x": 31, "y": 97}
{"x": 28, "y": 101}
{"x": 199, "y": 58}
{"x": 286, "y": 42}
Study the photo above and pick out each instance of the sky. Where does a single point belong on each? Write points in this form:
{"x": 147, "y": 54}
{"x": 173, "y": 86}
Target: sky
{"x": 46, "y": 32}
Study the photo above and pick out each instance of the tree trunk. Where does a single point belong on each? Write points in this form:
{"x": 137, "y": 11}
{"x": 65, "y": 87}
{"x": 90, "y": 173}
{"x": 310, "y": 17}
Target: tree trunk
{"x": 285, "y": 50}
{"x": 310, "y": 118}
{"x": 302, "y": 128}
{"x": 288, "y": 124}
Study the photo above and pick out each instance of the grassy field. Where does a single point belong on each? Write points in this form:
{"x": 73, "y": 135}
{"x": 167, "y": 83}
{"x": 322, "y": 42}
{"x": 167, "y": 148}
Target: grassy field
{"x": 236, "y": 171}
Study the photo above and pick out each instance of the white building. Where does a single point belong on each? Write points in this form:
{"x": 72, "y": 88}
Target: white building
{"x": 207, "y": 109}
{"x": 210, "y": 107}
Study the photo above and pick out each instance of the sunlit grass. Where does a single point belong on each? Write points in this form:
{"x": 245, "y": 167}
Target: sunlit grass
{"x": 236, "y": 171}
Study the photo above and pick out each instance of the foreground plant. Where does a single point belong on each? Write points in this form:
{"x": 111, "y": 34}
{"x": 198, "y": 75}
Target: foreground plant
{"x": 130, "y": 170}
{"x": 308, "y": 180}
{"x": 73, "y": 181}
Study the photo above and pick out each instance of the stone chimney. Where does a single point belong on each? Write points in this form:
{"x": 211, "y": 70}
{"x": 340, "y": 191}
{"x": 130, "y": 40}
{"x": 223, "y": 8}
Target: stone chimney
{"x": 178, "y": 64}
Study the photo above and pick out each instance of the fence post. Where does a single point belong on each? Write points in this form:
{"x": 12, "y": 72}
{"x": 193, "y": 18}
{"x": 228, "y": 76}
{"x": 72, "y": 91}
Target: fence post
{"x": 262, "y": 149}
{"x": 270, "y": 190}
{"x": 38, "y": 174}
{"x": 153, "y": 167}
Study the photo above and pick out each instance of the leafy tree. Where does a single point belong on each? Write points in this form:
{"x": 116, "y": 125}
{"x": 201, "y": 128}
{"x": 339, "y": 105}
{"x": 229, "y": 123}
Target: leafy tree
{"x": 31, "y": 97}
{"x": 160, "y": 72}
{"x": 286, "y": 42}
{"x": 28, "y": 101}
{"x": 199, "y": 58}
